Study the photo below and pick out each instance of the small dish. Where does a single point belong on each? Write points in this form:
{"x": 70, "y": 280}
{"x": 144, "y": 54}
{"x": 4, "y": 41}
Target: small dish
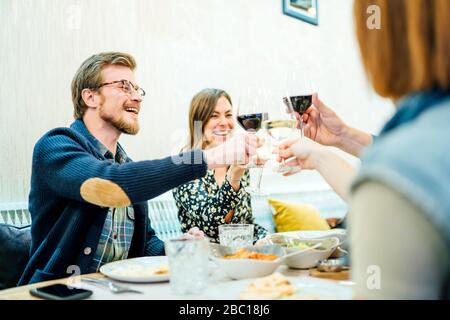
{"x": 333, "y": 265}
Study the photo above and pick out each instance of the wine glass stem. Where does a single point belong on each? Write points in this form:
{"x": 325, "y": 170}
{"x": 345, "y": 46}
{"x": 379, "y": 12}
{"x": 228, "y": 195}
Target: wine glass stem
{"x": 259, "y": 177}
{"x": 301, "y": 127}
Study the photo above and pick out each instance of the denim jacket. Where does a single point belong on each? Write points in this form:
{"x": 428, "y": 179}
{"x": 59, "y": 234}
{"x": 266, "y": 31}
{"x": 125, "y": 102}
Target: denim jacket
{"x": 412, "y": 156}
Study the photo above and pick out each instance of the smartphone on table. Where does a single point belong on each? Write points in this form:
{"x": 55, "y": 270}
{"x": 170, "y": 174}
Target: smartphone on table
{"x": 60, "y": 292}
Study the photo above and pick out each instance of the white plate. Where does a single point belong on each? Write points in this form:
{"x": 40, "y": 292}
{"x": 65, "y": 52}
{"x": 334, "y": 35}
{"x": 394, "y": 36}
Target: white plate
{"x": 307, "y": 288}
{"x": 136, "y": 269}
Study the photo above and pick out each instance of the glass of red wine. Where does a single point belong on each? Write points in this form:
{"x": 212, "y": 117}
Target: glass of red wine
{"x": 250, "y": 115}
{"x": 298, "y": 96}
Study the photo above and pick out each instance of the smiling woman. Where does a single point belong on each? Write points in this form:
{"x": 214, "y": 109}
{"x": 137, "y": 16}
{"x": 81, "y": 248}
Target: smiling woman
{"x": 202, "y": 110}
{"x": 219, "y": 197}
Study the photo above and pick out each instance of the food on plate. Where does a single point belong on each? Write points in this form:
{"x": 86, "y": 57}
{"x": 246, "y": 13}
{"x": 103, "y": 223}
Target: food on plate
{"x": 162, "y": 269}
{"x": 275, "y": 286}
{"x": 138, "y": 270}
{"x": 245, "y": 254}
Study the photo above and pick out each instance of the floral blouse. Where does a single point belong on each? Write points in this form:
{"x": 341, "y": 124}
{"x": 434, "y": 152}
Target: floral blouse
{"x": 202, "y": 203}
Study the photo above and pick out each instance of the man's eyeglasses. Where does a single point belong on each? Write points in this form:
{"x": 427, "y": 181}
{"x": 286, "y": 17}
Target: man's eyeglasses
{"x": 127, "y": 86}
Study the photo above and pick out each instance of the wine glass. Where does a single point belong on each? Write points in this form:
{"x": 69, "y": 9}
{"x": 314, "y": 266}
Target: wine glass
{"x": 281, "y": 126}
{"x": 250, "y": 114}
{"x": 298, "y": 95}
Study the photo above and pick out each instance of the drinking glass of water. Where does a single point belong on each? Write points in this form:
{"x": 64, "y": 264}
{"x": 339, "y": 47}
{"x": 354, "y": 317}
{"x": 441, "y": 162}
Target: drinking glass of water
{"x": 188, "y": 265}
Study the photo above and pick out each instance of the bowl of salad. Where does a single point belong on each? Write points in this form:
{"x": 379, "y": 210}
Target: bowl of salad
{"x": 309, "y": 251}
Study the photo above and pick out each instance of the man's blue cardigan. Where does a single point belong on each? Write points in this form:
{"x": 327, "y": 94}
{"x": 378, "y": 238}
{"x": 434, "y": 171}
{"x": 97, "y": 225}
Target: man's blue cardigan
{"x": 65, "y": 228}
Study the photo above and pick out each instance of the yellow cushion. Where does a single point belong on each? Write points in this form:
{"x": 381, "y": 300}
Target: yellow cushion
{"x": 296, "y": 216}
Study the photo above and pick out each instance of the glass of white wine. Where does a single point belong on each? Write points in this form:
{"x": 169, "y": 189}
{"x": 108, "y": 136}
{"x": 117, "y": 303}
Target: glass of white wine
{"x": 281, "y": 125}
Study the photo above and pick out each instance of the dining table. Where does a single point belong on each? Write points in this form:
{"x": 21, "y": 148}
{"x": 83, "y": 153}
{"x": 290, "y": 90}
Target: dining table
{"x": 313, "y": 285}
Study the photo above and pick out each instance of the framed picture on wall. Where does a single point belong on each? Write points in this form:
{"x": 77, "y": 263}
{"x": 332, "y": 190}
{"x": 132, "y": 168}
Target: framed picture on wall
{"x": 306, "y": 10}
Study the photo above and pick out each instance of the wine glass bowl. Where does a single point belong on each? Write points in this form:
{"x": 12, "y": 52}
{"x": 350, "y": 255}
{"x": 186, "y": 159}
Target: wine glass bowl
{"x": 281, "y": 125}
{"x": 251, "y": 122}
{"x": 298, "y": 95}
{"x": 300, "y": 103}
{"x": 280, "y": 130}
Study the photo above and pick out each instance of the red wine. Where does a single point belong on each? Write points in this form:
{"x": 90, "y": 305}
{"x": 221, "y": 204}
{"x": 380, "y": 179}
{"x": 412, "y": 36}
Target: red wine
{"x": 252, "y": 122}
{"x": 299, "y": 103}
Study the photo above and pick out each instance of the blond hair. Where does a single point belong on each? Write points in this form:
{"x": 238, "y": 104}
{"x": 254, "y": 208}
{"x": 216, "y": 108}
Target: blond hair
{"x": 89, "y": 75}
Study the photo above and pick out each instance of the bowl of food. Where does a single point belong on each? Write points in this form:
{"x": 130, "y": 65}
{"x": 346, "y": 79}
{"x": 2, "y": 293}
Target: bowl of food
{"x": 341, "y": 234}
{"x": 248, "y": 262}
{"x": 305, "y": 253}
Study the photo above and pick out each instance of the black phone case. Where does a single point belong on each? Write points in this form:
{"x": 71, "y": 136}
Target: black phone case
{"x": 81, "y": 295}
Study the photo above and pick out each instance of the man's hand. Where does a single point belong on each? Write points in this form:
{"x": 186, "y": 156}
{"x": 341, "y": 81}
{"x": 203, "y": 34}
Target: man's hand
{"x": 237, "y": 150}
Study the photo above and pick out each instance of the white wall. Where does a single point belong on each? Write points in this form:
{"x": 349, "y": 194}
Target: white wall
{"x": 181, "y": 47}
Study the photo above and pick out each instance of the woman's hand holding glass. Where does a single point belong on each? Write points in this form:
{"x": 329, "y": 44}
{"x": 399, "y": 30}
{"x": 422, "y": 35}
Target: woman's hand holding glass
{"x": 322, "y": 124}
{"x": 300, "y": 153}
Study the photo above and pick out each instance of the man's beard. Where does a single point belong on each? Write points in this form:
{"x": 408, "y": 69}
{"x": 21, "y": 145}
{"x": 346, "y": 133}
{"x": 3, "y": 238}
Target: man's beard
{"x": 120, "y": 124}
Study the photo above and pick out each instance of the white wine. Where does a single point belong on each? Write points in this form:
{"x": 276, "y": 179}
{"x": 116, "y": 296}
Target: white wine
{"x": 280, "y": 129}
